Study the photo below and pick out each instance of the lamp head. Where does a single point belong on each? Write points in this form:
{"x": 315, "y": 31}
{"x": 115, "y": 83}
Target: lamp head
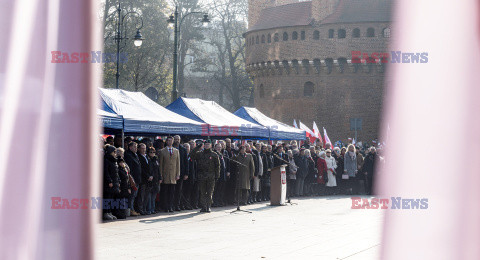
{"x": 205, "y": 20}
{"x": 138, "y": 39}
{"x": 171, "y": 21}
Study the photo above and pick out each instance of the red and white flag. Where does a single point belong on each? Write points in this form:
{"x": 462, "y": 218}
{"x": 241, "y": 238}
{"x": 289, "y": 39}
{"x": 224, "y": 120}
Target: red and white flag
{"x": 308, "y": 131}
{"x": 327, "y": 140}
{"x": 295, "y": 123}
{"x": 316, "y": 131}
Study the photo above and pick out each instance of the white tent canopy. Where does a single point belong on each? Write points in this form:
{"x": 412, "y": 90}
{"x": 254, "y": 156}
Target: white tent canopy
{"x": 278, "y": 130}
{"x": 220, "y": 121}
{"x": 143, "y": 116}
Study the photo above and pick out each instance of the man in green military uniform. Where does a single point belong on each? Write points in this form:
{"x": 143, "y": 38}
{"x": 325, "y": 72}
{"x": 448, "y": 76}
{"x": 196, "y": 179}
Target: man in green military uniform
{"x": 208, "y": 170}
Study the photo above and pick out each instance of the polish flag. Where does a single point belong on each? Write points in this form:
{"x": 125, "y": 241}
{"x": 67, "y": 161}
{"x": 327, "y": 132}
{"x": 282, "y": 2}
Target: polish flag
{"x": 317, "y": 132}
{"x": 327, "y": 140}
{"x": 309, "y": 132}
{"x": 295, "y": 124}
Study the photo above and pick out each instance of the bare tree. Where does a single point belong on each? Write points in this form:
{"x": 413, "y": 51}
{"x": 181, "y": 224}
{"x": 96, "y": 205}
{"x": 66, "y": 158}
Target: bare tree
{"x": 226, "y": 35}
{"x": 146, "y": 66}
{"x": 191, "y": 31}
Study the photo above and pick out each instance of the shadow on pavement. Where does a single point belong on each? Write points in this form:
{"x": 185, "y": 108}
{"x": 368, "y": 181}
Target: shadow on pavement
{"x": 264, "y": 207}
{"x": 172, "y": 218}
{"x": 163, "y": 217}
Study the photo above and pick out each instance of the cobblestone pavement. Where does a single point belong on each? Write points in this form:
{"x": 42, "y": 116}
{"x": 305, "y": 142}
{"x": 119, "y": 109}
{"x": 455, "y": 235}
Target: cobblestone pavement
{"x": 315, "y": 228}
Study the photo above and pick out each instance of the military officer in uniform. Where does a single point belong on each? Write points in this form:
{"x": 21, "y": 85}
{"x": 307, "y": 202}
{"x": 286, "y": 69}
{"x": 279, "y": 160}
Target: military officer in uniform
{"x": 208, "y": 171}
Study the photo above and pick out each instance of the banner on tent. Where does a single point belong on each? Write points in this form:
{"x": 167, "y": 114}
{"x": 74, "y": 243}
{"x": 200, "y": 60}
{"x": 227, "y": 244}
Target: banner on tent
{"x": 212, "y": 130}
{"x": 162, "y": 128}
{"x": 219, "y": 130}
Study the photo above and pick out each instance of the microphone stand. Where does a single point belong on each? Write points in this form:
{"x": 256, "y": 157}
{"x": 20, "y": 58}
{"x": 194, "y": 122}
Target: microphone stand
{"x": 237, "y": 162}
{"x": 288, "y": 193}
{"x": 238, "y": 190}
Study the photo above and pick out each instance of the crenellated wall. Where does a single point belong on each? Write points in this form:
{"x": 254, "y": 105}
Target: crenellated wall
{"x": 311, "y": 47}
{"x": 314, "y": 79}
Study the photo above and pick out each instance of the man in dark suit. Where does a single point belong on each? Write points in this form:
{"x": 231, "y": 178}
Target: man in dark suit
{"x": 306, "y": 144}
{"x": 267, "y": 162}
{"x": 146, "y": 178}
{"x": 302, "y": 171}
{"x": 190, "y": 187}
{"x": 219, "y": 192}
{"x": 368, "y": 169}
{"x": 133, "y": 162}
{"x": 230, "y": 185}
{"x": 178, "y": 203}
{"x": 248, "y": 149}
{"x": 280, "y": 157}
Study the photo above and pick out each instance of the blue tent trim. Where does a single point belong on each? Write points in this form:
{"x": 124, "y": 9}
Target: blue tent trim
{"x": 220, "y": 122}
{"x": 178, "y": 106}
{"x": 142, "y": 116}
{"x": 241, "y": 112}
{"x": 111, "y": 122}
{"x": 278, "y": 130}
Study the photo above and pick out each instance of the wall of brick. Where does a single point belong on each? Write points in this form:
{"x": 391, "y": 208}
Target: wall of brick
{"x": 354, "y": 92}
{"x": 337, "y": 97}
{"x": 310, "y": 48}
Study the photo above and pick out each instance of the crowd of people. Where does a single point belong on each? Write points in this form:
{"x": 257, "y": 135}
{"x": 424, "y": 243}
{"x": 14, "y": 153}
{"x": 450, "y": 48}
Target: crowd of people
{"x": 167, "y": 175}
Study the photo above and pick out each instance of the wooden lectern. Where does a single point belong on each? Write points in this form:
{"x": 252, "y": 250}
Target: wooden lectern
{"x": 278, "y": 185}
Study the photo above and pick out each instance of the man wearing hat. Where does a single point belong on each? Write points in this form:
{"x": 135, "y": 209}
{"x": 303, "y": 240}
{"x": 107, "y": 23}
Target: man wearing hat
{"x": 208, "y": 171}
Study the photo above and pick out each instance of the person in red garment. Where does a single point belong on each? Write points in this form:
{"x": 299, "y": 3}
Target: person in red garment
{"x": 322, "y": 173}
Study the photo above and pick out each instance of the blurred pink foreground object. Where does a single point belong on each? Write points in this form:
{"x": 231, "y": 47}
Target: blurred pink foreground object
{"x": 432, "y": 111}
{"x": 48, "y": 127}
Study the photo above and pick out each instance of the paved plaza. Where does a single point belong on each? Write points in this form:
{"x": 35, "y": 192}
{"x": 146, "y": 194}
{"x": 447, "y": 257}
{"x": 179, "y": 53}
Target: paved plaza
{"x": 315, "y": 228}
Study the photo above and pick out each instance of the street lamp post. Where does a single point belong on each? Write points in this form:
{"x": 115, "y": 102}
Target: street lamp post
{"x": 120, "y": 36}
{"x": 173, "y": 20}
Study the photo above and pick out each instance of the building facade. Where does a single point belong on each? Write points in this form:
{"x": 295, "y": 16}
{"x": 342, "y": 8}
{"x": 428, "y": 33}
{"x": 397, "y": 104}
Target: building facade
{"x": 299, "y": 55}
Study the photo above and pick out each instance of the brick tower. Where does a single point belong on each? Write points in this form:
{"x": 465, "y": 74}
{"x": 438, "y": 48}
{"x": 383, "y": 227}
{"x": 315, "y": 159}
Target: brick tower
{"x": 298, "y": 54}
